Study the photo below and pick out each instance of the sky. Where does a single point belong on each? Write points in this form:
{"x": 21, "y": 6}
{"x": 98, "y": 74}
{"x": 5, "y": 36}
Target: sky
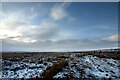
{"x": 58, "y": 26}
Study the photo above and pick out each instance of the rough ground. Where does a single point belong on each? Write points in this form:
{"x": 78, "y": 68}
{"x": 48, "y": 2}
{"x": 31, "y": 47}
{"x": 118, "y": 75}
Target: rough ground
{"x": 87, "y": 66}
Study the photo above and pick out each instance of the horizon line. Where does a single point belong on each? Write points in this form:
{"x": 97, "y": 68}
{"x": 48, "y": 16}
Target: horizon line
{"x": 65, "y": 51}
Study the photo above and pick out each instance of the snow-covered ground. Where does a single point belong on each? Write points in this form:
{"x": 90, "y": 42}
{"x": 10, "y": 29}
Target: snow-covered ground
{"x": 91, "y": 67}
{"x": 23, "y": 69}
{"x": 79, "y": 67}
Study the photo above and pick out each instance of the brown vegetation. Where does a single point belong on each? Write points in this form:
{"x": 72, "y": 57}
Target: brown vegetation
{"x": 54, "y": 69}
{"x": 101, "y": 55}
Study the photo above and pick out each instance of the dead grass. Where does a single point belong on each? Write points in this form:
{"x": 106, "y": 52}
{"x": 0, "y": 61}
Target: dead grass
{"x": 54, "y": 69}
{"x": 115, "y": 56}
{"x": 61, "y": 56}
{"x": 14, "y": 55}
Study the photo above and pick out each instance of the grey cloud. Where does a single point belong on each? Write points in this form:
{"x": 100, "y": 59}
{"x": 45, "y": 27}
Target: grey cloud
{"x": 60, "y": 45}
{"x": 42, "y": 32}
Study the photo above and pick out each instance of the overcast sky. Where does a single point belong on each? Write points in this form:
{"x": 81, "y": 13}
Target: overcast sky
{"x": 59, "y": 26}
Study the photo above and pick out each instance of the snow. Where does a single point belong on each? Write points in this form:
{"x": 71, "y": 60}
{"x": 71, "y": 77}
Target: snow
{"x": 94, "y": 66}
{"x": 22, "y": 69}
{"x": 87, "y": 66}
